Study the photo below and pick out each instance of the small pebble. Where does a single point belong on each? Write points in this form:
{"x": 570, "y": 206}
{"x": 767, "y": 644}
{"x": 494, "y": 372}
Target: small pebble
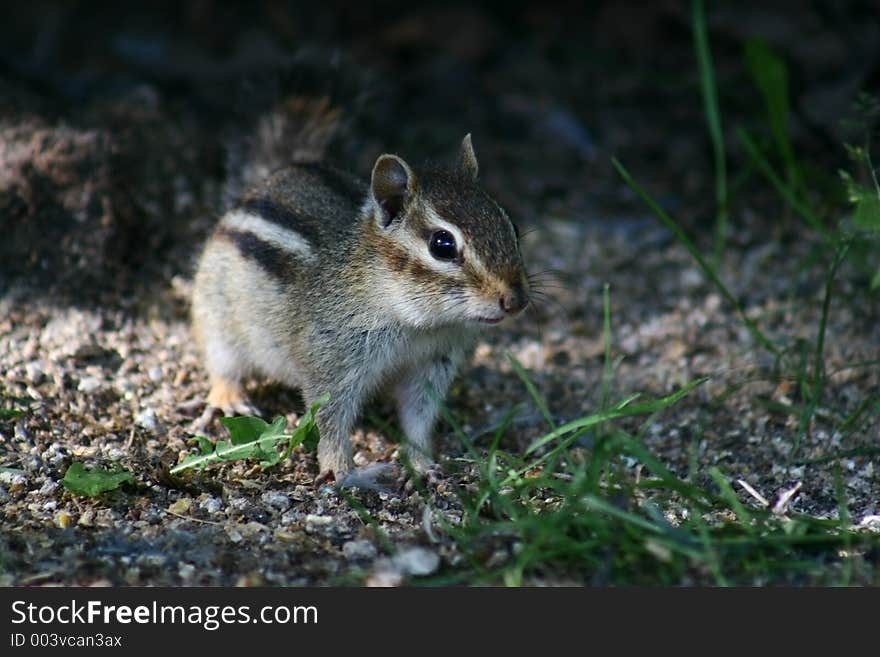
{"x": 385, "y": 578}
{"x": 417, "y": 561}
{"x": 89, "y": 384}
{"x": 147, "y": 419}
{"x": 63, "y": 519}
{"x": 35, "y": 371}
{"x": 301, "y": 493}
{"x": 153, "y": 559}
{"x": 87, "y": 518}
{"x": 361, "y": 550}
{"x": 413, "y": 561}
{"x": 49, "y": 487}
{"x": 276, "y": 500}
{"x": 181, "y": 506}
{"x": 13, "y": 478}
{"x": 212, "y": 505}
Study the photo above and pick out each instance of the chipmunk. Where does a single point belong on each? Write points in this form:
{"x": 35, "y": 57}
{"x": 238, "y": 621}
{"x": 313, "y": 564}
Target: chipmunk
{"x": 333, "y": 285}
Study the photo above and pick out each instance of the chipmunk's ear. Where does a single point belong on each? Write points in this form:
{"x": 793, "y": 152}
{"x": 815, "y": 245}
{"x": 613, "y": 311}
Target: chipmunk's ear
{"x": 393, "y": 183}
{"x": 467, "y": 160}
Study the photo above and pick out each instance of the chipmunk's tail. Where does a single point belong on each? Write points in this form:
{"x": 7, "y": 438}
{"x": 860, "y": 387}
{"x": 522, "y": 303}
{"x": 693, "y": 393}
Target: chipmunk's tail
{"x": 303, "y": 110}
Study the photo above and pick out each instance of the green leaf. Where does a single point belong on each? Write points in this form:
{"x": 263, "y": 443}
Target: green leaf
{"x": 80, "y": 481}
{"x": 867, "y": 213}
{"x": 10, "y": 413}
{"x": 253, "y": 438}
{"x": 205, "y": 445}
{"x": 244, "y": 429}
{"x": 771, "y": 77}
{"x": 866, "y": 201}
{"x": 308, "y": 427}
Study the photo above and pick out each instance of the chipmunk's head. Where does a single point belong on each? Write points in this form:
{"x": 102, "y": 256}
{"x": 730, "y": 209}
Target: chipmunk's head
{"x": 451, "y": 254}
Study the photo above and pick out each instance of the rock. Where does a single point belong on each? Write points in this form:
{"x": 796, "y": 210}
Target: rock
{"x": 361, "y": 550}
{"x": 63, "y": 519}
{"x": 301, "y": 493}
{"x": 181, "y": 506}
{"x": 240, "y": 504}
{"x": 315, "y": 522}
{"x": 211, "y": 505}
{"x": 12, "y": 477}
{"x": 49, "y": 487}
{"x": 384, "y": 578}
{"x": 148, "y": 420}
{"x": 275, "y": 500}
{"x": 233, "y": 534}
{"x": 408, "y": 562}
{"x": 417, "y": 561}
{"x": 89, "y": 384}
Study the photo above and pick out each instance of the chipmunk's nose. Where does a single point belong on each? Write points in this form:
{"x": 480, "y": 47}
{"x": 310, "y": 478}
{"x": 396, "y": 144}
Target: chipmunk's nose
{"x": 514, "y": 300}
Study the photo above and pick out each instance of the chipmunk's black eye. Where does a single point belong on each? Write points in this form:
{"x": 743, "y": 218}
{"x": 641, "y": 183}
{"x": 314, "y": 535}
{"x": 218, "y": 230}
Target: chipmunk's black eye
{"x": 442, "y": 245}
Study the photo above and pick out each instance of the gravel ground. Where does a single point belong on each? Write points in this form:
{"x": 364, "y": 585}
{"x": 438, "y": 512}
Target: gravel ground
{"x": 108, "y": 200}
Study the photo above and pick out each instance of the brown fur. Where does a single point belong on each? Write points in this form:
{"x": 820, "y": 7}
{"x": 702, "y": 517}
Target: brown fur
{"x": 327, "y": 284}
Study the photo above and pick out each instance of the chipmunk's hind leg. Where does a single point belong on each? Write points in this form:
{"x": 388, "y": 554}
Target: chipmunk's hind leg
{"x": 230, "y": 398}
{"x": 227, "y": 370}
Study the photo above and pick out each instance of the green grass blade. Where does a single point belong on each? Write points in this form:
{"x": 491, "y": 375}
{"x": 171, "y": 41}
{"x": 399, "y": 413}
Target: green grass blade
{"x": 603, "y": 506}
{"x": 608, "y": 365}
{"x": 709, "y": 91}
{"x": 539, "y": 400}
{"x": 708, "y": 270}
{"x": 819, "y": 356}
{"x": 623, "y": 409}
{"x": 729, "y": 496}
{"x": 771, "y": 77}
{"x": 845, "y": 522}
{"x": 786, "y": 191}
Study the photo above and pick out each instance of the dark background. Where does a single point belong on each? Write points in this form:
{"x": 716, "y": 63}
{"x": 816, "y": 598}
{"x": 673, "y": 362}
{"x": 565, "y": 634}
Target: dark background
{"x": 115, "y": 115}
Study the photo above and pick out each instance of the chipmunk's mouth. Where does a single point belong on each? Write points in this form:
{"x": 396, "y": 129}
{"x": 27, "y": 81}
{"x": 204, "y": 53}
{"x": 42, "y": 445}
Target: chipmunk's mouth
{"x": 490, "y": 320}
